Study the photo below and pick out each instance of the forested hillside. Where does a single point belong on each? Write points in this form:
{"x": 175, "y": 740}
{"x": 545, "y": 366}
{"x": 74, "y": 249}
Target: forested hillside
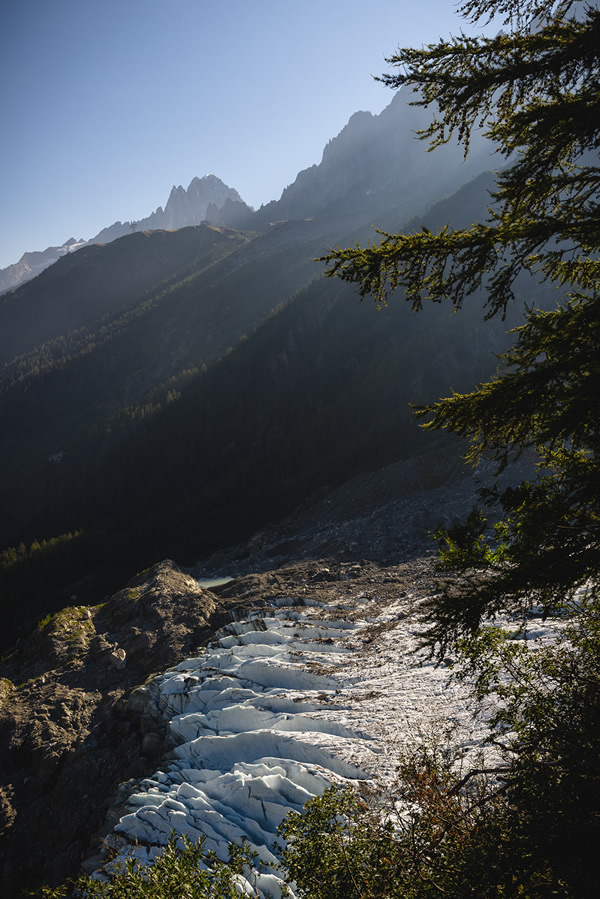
{"x": 196, "y": 415}
{"x": 84, "y": 289}
{"x": 172, "y": 391}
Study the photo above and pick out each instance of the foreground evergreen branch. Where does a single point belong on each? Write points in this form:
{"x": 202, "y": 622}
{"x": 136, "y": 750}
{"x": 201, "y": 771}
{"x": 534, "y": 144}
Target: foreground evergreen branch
{"x": 546, "y": 543}
{"x": 536, "y": 91}
{"x": 536, "y": 94}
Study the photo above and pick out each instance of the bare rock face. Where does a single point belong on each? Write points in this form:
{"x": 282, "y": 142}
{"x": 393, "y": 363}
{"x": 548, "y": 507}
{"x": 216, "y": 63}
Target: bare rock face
{"x": 68, "y": 735}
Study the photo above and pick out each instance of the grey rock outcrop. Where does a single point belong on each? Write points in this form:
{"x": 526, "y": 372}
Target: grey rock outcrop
{"x": 184, "y": 207}
{"x": 69, "y": 735}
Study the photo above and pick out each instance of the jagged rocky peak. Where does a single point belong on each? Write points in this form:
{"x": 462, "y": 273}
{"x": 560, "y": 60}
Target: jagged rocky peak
{"x": 212, "y": 186}
{"x": 189, "y": 207}
{"x": 183, "y": 208}
{"x": 358, "y": 127}
{"x": 376, "y": 167}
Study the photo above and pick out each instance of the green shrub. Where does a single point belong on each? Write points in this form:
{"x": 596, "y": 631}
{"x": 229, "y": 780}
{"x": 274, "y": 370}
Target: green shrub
{"x": 182, "y": 871}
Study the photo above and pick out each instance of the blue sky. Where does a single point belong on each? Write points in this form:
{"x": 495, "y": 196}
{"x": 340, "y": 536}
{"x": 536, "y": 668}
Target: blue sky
{"x": 106, "y": 104}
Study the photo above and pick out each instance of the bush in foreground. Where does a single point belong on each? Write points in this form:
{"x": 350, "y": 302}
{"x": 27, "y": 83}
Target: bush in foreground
{"x": 183, "y": 871}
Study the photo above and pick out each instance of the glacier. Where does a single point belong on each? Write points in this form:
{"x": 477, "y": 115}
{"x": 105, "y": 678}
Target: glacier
{"x": 278, "y": 707}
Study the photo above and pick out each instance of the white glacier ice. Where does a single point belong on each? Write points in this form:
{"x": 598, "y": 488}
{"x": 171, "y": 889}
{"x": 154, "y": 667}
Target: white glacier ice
{"x": 278, "y": 707}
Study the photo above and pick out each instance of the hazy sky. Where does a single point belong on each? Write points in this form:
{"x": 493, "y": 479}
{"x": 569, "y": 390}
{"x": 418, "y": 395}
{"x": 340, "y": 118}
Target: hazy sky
{"x": 105, "y": 104}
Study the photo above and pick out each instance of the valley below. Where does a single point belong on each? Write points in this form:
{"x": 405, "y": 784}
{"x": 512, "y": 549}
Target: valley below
{"x": 311, "y": 655}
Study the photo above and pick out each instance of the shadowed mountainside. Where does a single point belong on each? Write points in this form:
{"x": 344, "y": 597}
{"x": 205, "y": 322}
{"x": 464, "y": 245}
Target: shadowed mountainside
{"x": 170, "y": 392}
{"x": 81, "y": 289}
{"x": 214, "y": 407}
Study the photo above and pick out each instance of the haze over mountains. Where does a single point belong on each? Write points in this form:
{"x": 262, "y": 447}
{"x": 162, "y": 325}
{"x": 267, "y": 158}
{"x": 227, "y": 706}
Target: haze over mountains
{"x": 170, "y": 391}
{"x": 375, "y": 162}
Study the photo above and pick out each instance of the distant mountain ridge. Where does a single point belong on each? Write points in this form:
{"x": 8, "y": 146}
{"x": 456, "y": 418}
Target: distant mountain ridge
{"x": 377, "y": 166}
{"x": 374, "y": 166}
{"x": 183, "y": 208}
{"x": 32, "y": 264}
{"x": 205, "y": 198}
{"x": 99, "y": 280}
